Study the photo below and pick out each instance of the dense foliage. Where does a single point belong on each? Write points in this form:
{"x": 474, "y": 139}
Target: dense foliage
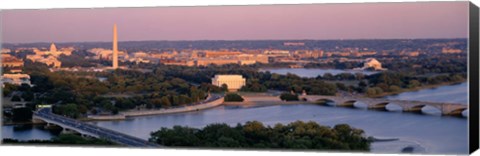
{"x": 395, "y": 82}
{"x": 66, "y": 139}
{"x": 233, "y": 97}
{"x": 79, "y": 93}
{"x": 22, "y": 114}
{"x": 288, "y": 97}
{"x": 256, "y": 81}
{"x": 296, "y": 135}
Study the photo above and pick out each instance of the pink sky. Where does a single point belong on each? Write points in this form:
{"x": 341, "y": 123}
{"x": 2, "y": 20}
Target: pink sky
{"x": 316, "y": 21}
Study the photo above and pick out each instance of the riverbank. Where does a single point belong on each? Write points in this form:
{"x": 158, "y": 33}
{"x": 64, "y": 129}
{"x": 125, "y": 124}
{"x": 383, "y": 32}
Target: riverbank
{"x": 132, "y": 113}
{"x": 198, "y": 107}
{"x": 250, "y": 100}
{"x": 18, "y": 123}
{"x": 266, "y": 103}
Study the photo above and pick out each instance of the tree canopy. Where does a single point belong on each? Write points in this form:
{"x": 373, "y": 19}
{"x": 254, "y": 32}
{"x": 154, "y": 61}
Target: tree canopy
{"x": 254, "y": 134}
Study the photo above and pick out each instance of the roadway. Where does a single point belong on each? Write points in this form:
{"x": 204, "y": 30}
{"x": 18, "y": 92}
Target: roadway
{"x": 102, "y": 133}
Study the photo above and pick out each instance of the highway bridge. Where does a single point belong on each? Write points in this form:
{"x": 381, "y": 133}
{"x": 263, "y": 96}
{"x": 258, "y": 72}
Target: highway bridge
{"x": 68, "y": 124}
{"x": 453, "y": 109}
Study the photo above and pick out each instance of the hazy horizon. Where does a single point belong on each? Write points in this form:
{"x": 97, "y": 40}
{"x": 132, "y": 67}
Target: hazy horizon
{"x": 356, "y": 21}
{"x": 234, "y": 40}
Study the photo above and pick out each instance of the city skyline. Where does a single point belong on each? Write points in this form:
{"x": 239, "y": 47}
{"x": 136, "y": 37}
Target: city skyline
{"x": 285, "y": 22}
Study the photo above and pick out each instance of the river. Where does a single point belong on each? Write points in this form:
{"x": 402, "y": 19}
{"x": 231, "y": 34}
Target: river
{"x": 426, "y": 133}
{"x": 431, "y": 134}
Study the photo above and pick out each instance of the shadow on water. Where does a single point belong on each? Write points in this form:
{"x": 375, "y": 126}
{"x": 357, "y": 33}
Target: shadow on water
{"x": 25, "y": 127}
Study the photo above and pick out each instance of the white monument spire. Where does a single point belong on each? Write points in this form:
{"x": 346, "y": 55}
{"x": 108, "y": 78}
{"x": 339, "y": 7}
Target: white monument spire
{"x": 115, "y": 48}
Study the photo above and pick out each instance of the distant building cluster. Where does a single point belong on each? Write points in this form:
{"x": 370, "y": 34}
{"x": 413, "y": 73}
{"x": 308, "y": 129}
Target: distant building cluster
{"x": 50, "y": 57}
{"x": 233, "y": 82}
{"x": 16, "y": 79}
{"x": 207, "y": 57}
{"x": 54, "y": 51}
{"x": 314, "y": 54}
{"x": 293, "y": 43}
{"x": 451, "y": 51}
{"x": 12, "y": 73}
{"x": 410, "y": 53}
{"x": 296, "y": 54}
{"x": 14, "y": 64}
{"x": 5, "y": 50}
{"x": 106, "y": 54}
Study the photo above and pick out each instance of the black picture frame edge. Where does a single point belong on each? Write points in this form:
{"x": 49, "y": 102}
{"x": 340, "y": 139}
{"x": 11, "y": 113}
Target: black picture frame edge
{"x": 474, "y": 78}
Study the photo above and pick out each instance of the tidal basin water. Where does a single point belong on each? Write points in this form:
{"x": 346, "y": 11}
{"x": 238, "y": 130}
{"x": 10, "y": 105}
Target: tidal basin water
{"x": 424, "y": 133}
{"x": 313, "y": 72}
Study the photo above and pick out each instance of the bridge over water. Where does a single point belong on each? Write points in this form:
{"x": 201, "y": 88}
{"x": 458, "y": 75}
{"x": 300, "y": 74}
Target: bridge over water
{"x": 453, "y": 109}
{"x": 68, "y": 124}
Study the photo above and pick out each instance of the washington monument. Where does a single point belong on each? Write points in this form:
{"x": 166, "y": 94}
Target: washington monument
{"x": 115, "y": 48}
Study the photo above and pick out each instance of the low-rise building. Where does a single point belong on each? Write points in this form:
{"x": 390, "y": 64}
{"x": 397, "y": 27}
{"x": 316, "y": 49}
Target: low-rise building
{"x": 11, "y": 61}
{"x": 5, "y": 50}
{"x": 212, "y": 54}
{"x": 277, "y": 53}
{"x": 107, "y": 54}
{"x": 220, "y": 61}
{"x": 16, "y": 79}
{"x": 451, "y": 51}
{"x": 50, "y": 60}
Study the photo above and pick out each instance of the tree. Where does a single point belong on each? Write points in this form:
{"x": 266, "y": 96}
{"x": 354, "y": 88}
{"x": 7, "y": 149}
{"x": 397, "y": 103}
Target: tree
{"x": 224, "y": 87}
{"x": 341, "y": 86}
{"x": 362, "y": 84}
{"x": 82, "y": 109}
{"x": 184, "y": 99}
{"x": 288, "y": 97}
{"x": 328, "y": 76}
{"x": 413, "y": 83}
{"x": 69, "y": 110}
{"x": 295, "y": 135}
{"x": 374, "y": 91}
{"x": 24, "y": 87}
{"x": 8, "y": 89}
{"x": 233, "y": 97}
{"x": 156, "y": 102}
{"x": 378, "y": 90}
{"x": 165, "y": 102}
{"x": 27, "y": 96}
{"x": 394, "y": 88}
{"x": 107, "y": 105}
{"x": 115, "y": 111}
{"x": 22, "y": 114}
{"x": 371, "y": 92}
{"x": 149, "y": 106}
{"x": 178, "y": 136}
{"x": 16, "y": 98}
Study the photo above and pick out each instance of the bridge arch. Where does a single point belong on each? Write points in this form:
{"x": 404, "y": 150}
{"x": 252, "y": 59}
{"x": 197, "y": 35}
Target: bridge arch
{"x": 386, "y": 106}
{"x": 348, "y": 103}
{"x": 325, "y": 101}
{"x": 415, "y": 108}
{"x": 379, "y": 106}
{"x": 425, "y": 109}
{"x": 455, "y": 112}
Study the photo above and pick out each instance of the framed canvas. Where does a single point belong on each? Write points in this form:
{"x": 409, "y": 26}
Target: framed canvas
{"x": 375, "y": 78}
